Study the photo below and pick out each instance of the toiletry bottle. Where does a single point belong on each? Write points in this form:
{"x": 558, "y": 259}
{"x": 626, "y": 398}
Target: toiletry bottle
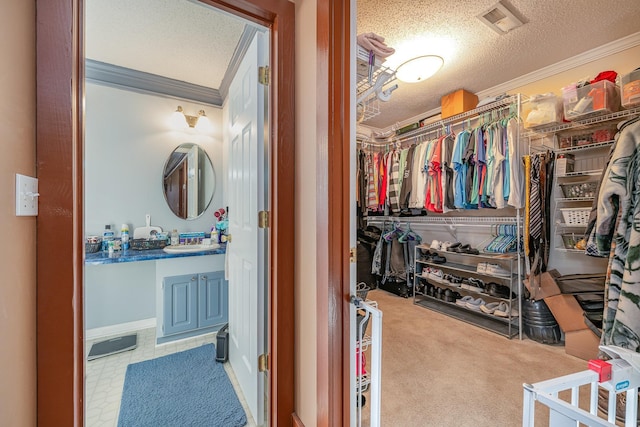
{"x": 124, "y": 236}
{"x": 175, "y": 239}
{"x": 107, "y": 236}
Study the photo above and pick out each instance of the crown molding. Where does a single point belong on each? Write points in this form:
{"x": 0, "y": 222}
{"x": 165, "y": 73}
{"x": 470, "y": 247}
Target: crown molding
{"x": 139, "y": 81}
{"x": 600, "y": 52}
{"x": 243, "y": 44}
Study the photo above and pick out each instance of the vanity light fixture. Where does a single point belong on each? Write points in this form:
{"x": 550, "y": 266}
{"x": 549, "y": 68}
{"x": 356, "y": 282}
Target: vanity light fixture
{"x": 181, "y": 120}
{"x": 419, "y": 68}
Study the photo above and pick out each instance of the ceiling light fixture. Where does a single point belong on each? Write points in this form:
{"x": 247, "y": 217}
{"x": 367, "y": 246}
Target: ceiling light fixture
{"x": 180, "y": 120}
{"x": 419, "y": 68}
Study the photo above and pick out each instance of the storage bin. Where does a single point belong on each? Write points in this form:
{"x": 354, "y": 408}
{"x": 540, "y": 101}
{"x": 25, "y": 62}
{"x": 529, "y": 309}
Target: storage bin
{"x": 597, "y": 98}
{"x": 570, "y": 240}
{"x": 576, "y": 216}
{"x": 542, "y": 110}
{"x": 581, "y": 189}
{"x": 457, "y": 102}
{"x": 630, "y": 89}
{"x": 564, "y": 164}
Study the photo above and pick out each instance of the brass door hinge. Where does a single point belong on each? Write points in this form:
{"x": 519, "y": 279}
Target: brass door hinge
{"x": 353, "y": 257}
{"x": 263, "y": 363}
{"x": 264, "y": 75}
{"x": 263, "y": 219}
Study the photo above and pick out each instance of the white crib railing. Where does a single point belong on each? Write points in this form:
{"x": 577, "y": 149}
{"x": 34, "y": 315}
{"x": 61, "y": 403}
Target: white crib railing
{"x": 368, "y": 378}
{"x": 619, "y": 377}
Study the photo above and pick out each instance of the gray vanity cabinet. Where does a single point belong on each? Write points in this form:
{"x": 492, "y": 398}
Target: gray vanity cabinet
{"x": 193, "y": 302}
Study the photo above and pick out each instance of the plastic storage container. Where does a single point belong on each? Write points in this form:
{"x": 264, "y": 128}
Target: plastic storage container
{"x": 542, "y": 110}
{"x": 597, "y": 98}
{"x": 630, "y": 89}
{"x": 576, "y": 216}
{"x": 579, "y": 190}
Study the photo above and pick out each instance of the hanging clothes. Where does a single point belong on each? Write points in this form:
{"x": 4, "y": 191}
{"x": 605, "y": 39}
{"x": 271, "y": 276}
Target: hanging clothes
{"x": 407, "y": 180}
{"x": 617, "y": 232}
{"x": 459, "y": 162}
{"x": 448, "y": 203}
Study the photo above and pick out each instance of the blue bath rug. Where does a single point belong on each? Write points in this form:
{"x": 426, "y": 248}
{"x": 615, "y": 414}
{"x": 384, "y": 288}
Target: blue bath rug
{"x": 182, "y": 389}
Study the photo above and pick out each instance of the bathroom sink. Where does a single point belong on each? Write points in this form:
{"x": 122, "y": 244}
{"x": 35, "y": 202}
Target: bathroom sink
{"x": 182, "y": 249}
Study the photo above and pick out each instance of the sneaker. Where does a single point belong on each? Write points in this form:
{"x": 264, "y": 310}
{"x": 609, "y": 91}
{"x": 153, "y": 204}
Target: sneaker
{"x": 503, "y": 310}
{"x": 475, "y": 304}
{"x": 436, "y": 275}
{"x": 482, "y": 267}
{"x": 497, "y": 270}
{"x": 489, "y": 308}
{"x": 436, "y": 259}
{"x": 462, "y": 302}
{"x": 444, "y": 246}
{"x": 476, "y": 285}
{"x": 435, "y": 245}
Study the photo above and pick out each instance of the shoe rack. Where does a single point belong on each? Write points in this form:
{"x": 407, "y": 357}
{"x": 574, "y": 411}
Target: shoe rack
{"x": 461, "y": 277}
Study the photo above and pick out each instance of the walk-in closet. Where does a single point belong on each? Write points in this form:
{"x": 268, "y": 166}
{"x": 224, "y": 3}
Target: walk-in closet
{"x": 495, "y": 153}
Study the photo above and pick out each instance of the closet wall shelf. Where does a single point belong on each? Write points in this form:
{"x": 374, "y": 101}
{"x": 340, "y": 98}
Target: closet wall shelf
{"x": 370, "y": 90}
{"x": 584, "y": 147}
{"x": 575, "y": 199}
{"x": 595, "y": 172}
{"x": 583, "y": 123}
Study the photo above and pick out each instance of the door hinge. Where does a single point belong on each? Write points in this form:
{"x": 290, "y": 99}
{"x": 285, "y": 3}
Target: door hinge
{"x": 263, "y": 219}
{"x": 264, "y": 75}
{"x": 263, "y": 363}
{"x": 353, "y": 255}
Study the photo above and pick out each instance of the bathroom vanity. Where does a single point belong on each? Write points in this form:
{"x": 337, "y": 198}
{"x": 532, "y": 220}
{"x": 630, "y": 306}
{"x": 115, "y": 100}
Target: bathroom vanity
{"x": 183, "y": 294}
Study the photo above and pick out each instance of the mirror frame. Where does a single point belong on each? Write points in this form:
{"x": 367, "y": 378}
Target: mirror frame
{"x": 183, "y": 175}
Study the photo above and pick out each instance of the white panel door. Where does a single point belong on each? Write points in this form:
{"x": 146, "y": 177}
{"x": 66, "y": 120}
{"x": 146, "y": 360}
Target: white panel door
{"x": 246, "y": 251}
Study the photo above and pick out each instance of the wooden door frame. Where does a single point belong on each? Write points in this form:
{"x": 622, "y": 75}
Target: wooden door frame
{"x": 60, "y": 223}
{"x": 333, "y": 196}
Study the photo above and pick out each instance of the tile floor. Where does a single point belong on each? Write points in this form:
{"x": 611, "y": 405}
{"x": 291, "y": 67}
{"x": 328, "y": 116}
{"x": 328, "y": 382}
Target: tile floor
{"x": 104, "y": 377}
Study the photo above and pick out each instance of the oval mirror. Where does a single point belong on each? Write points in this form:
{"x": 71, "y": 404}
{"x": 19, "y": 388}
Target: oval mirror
{"x": 188, "y": 181}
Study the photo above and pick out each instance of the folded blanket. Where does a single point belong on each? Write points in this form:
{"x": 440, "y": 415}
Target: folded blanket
{"x": 375, "y": 43}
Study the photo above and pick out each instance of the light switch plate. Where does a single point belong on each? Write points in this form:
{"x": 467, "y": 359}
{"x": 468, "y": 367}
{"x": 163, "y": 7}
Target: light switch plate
{"x": 26, "y": 195}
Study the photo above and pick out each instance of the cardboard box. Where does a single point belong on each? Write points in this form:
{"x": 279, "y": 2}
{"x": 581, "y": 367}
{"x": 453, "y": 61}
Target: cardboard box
{"x": 567, "y": 311}
{"x": 583, "y": 344}
{"x": 544, "y": 285}
{"x": 579, "y": 340}
{"x": 457, "y": 102}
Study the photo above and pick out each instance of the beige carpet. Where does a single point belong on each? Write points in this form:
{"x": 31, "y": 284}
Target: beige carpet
{"x": 439, "y": 371}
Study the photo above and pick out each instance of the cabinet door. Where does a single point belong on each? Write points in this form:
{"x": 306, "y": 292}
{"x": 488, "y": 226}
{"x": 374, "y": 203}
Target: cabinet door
{"x": 213, "y": 304}
{"x": 180, "y": 303}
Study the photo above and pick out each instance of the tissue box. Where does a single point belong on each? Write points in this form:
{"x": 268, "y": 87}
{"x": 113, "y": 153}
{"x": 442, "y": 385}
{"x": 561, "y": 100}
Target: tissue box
{"x": 630, "y": 89}
{"x": 457, "y": 102}
{"x": 597, "y": 98}
{"x": 564, "y": 164}
{"x": 542, "y": 110}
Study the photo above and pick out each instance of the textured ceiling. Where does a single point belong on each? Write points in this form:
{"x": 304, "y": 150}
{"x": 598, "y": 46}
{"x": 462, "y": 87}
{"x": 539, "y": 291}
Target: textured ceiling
{"x": 179, "y": 39}
{"x": 477, "y": 58}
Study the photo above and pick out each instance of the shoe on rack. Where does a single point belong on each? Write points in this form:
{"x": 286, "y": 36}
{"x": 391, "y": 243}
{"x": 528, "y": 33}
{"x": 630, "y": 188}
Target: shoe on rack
{"x": 435, "y": 245}
{"x": 496, "y": 290}
{"x": 482, "y": 267}
{"x": 497, "y": 270}
{"x": 451, "y": 296}
{"x": 503, "y": 310}
{"x": 450, "y": 279}
{"x": 475, "y": 304}
{"x": 453, "y": 246}
{"x": 489, "y": 308}
{"x": 463, "y": 301}
{"x": 467, "y": 249}
{"x": 444, "y": 246}
{"x": 476, "y": 285}
{"x": 436, "y": 259}
{"x": 436, "y": 275}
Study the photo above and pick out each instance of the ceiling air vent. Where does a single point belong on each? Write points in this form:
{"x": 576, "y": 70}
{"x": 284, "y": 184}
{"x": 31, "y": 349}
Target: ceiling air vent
{"x": 500, "y": 19}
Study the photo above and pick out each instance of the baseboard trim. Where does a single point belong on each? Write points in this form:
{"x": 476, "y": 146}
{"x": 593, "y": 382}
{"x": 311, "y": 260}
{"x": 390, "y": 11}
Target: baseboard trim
{"x": 296, "y": 420}
{"x": 121, "y": 328}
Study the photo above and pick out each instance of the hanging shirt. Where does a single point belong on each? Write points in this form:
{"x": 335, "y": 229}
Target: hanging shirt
{"x": 497, "y": 185}
{"x": 416, "y": 200}
{"x": 460, "y": 169}
{"x": 472, "y": 170}
{"x": 407, "y": 179}
{"x": 448, "y": 144}
{"x": 516, "y": 168}
{"x": 433, "y": 199}
{"x": 394, "y": 187}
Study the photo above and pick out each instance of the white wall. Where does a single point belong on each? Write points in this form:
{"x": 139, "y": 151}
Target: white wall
{"x": 18, "y": 253}
{"x": 128, "y": 137}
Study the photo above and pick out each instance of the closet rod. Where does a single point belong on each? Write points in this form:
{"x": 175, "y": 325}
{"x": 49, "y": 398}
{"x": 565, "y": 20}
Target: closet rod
{"x": 460, "y": 118}
{"x": 454, "y": 221}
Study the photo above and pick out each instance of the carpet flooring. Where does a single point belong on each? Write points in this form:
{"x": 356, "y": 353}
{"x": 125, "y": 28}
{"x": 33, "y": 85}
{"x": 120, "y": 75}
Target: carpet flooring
{"x": 439, "y": 371}
{"x": 188, "y": 388}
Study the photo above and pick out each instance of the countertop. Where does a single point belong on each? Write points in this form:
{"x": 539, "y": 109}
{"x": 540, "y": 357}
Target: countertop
{"x": 132, "y": 255}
